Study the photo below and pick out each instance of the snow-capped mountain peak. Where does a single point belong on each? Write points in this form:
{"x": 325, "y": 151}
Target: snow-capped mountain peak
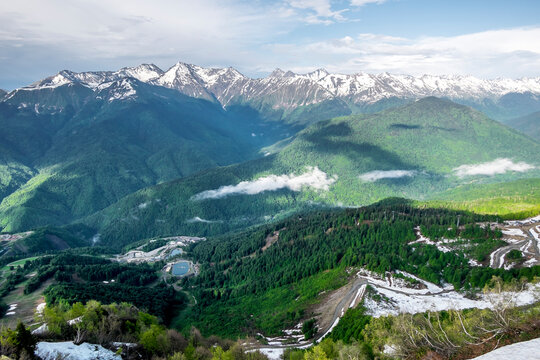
{"x": 277, "y": 73}
{"x": 183, "y": 77}
{"x": 317, "y": 74}
{"x": 143, "y": 72}
{"x": 286, "y": 89}
{"x": 121, "y": 89}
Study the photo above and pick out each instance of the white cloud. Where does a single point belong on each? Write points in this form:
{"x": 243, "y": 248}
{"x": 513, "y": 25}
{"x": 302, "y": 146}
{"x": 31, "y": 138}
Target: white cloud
{"x": 497, "y": 166}
{"x": 511, "y": 52}
{"x": 322, "y": 12}
{"x": 366, "y": 2}
{"x": 197, "y": 219}
{"x": 254, "y": 37}
{"x": 106, "y": 35}
{"x": 312, "y": 178}
{"x": 375, "y": 175}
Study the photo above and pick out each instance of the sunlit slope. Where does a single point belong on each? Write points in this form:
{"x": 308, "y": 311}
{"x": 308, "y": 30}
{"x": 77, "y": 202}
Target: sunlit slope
{"x": 411, "y": 152}
{"x": 66, "y": 164}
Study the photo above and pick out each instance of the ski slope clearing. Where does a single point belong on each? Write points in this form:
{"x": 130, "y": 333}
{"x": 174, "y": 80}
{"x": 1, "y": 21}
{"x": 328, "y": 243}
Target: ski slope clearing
{"x": 526, "y": 350}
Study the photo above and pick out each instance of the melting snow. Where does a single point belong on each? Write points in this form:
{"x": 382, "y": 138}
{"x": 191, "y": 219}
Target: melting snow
{"x": 513, "y": 232}
{"x": 403, "y": 301}
{"x": 69, "y": 351}
{"x": 526, "y": 350}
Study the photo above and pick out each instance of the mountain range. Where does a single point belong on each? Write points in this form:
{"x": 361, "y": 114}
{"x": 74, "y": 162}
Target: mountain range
{"x": 77, "y": 146}
{"x": 286, "y": 91}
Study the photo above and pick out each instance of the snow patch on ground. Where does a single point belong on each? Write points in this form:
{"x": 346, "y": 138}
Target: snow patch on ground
{"x": 427, "y": 241}
{"x": 333, "y": 326}
{"x": 359, "y": 294}
{"x": 536, "y": 235}
{"x": 69, "y": 351}
{"x": 143, "y": 205}
{"x": 514, "y": 232}
{"x": 11, "y": 309}
{"x": 523, "y": 222}
{"x": 271, "y": 353}
{"x": 526, "y": 350}
{"x": 43, "y": 329}
{"x": 399, "y": 302}
{"x": 40, "y": 308}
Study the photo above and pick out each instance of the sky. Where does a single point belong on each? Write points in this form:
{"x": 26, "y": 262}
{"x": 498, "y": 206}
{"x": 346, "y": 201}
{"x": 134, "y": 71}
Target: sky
{"x": 487, "y": 39}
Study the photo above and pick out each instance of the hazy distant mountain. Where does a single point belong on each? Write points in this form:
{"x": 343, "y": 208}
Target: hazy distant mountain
{"x": 529, "y": 124}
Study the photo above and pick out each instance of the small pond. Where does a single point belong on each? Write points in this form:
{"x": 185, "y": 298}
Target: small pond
{"x": 180, "y": 268}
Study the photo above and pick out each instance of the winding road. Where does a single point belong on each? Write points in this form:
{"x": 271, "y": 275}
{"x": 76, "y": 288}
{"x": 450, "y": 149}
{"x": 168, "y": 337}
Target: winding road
{"x": 529, "y": 245}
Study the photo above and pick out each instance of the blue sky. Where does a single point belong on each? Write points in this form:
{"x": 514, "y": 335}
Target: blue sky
{"x": 486, "y": 39}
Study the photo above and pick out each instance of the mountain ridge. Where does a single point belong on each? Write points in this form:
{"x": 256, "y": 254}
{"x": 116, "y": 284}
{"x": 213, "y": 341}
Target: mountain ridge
{"x": 287, "y": 90}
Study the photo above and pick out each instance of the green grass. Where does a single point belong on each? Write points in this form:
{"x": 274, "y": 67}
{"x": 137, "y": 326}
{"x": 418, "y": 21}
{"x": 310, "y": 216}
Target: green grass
{"x": 19, "y": 263}
{"x": 512, "y": 200}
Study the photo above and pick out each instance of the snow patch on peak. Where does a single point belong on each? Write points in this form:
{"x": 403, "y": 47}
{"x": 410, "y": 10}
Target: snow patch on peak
{"x": 122, "y": 89}
{"x": 62, "y": 78}
{"x": 277, "y": 73}
{"x": 143, "y": 72}
{"x": 317, "y": 74}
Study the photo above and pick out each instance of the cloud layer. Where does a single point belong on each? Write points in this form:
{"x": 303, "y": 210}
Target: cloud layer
{"x": 313, "y": 178}
{"x": 511, "y": 52}
{"x": 373, "y": 176}
{"x": 497, "y": 166}
{"x": 255, "y": 37}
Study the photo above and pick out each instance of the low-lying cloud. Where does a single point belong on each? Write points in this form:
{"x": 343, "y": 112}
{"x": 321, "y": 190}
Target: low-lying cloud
{"x": 197, "y": 219}
{"x": 491, "y": 168}
{"x": 313, "y": 178}
{"x": 375, "y": 175}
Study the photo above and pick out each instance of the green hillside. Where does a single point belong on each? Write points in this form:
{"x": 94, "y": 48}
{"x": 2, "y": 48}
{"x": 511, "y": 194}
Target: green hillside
{"x": 511, "y": 200}
{"x": 81, "y": 151}
{"x": 246, "y": 287}
{"x": 529, "y": 124}
{"x": 426, "y": 140}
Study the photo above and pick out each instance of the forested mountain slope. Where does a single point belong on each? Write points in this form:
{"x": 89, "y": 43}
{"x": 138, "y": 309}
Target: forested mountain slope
{"x": 529, "y": 124}
{"x": 414, "y": 151}
{"x": 268, "y": 278}
{"x": 82, "y": 150}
